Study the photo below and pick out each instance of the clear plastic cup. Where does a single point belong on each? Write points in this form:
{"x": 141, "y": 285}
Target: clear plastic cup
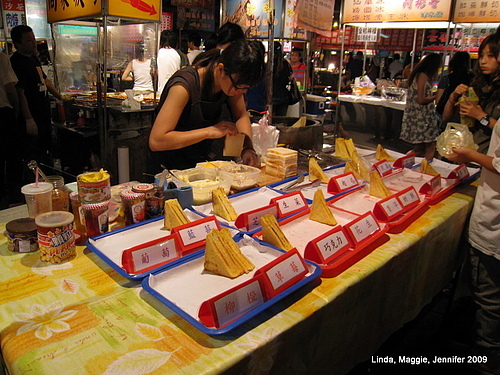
{"x": 38, "y": 198}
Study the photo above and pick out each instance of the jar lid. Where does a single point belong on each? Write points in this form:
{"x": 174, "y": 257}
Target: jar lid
{"x": 33, "y": 189}
{"x": 143, "y": 188}
{"x": 95, "y": 206}
{"x": 54, "y": 219}
{"x": 23, "y": 225}
{"x": 129, "y": 194}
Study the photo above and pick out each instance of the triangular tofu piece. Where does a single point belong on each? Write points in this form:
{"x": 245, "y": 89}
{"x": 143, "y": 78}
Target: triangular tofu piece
{"x": 377, "y": 186}
{"x": 426, "y": 168}
{"x": 382, "y": 154}
{"x": 320, "y": 211}
{"x": 223, "y": 256}
{"x": 350, "y": 167}
{"x": 272, "y": 233}
{"x": 221, "y": 206}
{"x": 316, "y": 172}
{"x": 341, "y": 148}
{"x": 351, "y": 149}
{"x": 174, "y": 214}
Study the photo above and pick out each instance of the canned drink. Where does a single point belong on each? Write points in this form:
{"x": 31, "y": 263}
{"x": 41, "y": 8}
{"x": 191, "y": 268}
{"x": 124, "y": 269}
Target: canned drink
{"x": 56, "y": 239}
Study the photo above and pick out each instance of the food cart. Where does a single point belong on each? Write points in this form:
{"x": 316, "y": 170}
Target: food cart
{"x": 94, "y": 42}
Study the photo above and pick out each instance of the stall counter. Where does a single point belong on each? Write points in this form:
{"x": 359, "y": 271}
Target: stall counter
{"x": 81, "y": 317}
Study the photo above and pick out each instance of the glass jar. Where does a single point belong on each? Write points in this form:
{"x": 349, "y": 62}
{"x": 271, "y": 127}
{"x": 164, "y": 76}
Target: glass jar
{"x": 60, "y": 194}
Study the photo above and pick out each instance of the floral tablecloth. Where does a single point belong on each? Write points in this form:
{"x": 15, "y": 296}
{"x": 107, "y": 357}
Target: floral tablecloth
{"x": 81, "y": 317}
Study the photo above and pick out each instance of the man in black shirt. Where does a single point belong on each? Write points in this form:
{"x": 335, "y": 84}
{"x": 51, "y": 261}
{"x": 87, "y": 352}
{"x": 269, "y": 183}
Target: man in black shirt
{"x": 33, "y": 87}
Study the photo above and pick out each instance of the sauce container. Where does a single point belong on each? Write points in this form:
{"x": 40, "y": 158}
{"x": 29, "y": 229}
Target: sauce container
{"x": 56, "y": 239}
{"x": 22, "y": 235}
{"x": 133, "y": 206}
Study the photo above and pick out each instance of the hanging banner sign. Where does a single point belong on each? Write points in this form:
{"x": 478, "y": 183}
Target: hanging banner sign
{"x": 138, "y": 9}
{"x": 13, "y": 15}
{"x": 316, "y": 15}
{"x": 471, "y": 11}
{"x": 252, "y": 16}
{"x": 396, "y": 10}
{"x": 367, "y": 34}
{"x": 291, "y": 29}
{"x": 196, "y": 4}
{"x": 67, "y": 10}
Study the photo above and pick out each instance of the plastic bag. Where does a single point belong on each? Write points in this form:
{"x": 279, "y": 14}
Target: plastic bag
{"x": 455, "y": 135}
{"x": 362, "y": 86}
{"x": 264, "y": 137}
{"x": 471, "y": 95}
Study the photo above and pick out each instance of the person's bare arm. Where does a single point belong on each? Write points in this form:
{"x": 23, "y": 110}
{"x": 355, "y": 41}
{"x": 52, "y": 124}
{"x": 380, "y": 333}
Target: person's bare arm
{"x": 126, "y": 73}
{"x": 52, "y": 89}
{"x": 421, "y": 83}
{"x": 466, "y": 155}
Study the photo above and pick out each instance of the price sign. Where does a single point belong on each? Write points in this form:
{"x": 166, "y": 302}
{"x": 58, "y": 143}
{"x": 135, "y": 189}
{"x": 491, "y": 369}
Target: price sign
{"x": 343, "y": 182}
{"x": 383, "y": 167}
{"x": 405, "y": 161}
{"x": 391, "y": 206}
{"x": 251, "y": 219}
{"x": 240, "y": 301}
{"x": 283, "y": 272}
{"x": 290, "y": 203}
{"x": 151, "y": 254}
{"x": 361, "y": 228}
{"x": 333, "y": 242}
{"x": 408, "y": 197}
{"x": 196, "y": 232}
{"x": 432, "y": 187}
{"x": 461, "y": 172}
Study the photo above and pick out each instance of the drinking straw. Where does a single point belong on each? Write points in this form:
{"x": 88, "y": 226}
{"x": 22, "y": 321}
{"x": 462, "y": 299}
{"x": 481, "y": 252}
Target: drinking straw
{"x": 36, "y": 178}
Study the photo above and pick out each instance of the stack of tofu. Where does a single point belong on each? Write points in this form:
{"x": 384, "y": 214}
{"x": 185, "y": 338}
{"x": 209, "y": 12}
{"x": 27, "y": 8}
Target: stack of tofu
{"x": 281, "y": 162}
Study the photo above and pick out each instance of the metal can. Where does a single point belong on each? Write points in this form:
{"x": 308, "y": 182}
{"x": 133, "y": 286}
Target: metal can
{"x": 56, "y": 239}
{"x": 22, "y": 235}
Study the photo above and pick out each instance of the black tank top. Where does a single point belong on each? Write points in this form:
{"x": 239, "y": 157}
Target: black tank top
{"x": 198, "y": 113}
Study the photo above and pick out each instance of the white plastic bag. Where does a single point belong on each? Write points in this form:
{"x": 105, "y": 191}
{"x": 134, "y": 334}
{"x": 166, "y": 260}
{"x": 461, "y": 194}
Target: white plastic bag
{"x": 455, "y": 135}
{"x": 264, "y": 137}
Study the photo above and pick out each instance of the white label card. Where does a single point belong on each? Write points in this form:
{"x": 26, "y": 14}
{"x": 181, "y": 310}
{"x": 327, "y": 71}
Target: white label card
{"x": 154, "y": 254}
{"x": 391, "y": 206}
{"x": 462, "y": 172}
{"x": 409, "y": 197}
{"x": 347, "y": 182}
{"x": 383, "y": 167}
{"x": 254, "y": 217}
{"x": 435, "y": 185}
{"x": 408, "y": 161}
{"x": 332, "y": 244}
{"x": 363, "y": 228}
{"x": 291, "y": 203}
{"x": 196, "y": 233}
{"x": 285, "y": 270}
{"x": 238, "y": 302}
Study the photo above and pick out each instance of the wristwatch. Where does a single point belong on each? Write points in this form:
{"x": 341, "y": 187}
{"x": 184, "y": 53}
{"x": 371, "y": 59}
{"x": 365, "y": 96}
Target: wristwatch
{"x": 485, "y": 121}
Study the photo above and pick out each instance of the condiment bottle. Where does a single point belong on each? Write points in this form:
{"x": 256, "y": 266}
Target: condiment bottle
{"x": 60, "y": 194}
{"x": 154, "y": 203}
{"x": 133, "y": 206}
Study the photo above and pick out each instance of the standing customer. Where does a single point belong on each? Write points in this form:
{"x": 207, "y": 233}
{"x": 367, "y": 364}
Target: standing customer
{"x": 33, "y": 87}
{"x": 282, "y": 72}
{"x": 486, "y": 84}
{"x": 194, "y": 43}
{"x": 10, "y": 155}
{"x": 298, "y": 66}
{"x": 420, "y": 125}
{"x": 140, "y": 68}
{"x": 168, "y": 61}
{"x": 190, "y": 108}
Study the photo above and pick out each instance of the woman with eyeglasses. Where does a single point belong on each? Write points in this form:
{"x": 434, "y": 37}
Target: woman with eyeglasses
{"x": 190, "y": 108}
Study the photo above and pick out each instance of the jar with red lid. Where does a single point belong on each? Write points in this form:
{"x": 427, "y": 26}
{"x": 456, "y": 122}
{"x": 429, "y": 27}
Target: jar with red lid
{"x": 133, "y": 206}
{"x": 154, "y": 199}
{"x": 96, "y": 218}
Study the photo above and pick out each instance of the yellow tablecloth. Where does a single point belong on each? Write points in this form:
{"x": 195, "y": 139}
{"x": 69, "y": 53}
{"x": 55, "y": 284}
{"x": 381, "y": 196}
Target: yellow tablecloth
{"x": 81, "y": 317}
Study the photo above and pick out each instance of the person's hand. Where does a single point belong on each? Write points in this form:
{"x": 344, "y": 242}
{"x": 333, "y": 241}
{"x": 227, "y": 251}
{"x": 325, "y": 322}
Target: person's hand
{"x": 31, "y": 127}
{"x": 459, "y": 91}
{"x": 250, "y": 157}
{"x": 221, "y": 129}
{"x": 467, "y": 108}
{"x": 460, "y": 155}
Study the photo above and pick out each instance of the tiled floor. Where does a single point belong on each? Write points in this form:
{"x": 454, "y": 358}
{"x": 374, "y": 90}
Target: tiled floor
{"x": 443, "y": 328}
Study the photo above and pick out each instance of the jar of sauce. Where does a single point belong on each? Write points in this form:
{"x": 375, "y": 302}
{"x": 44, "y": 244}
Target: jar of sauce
{"x": 133, "y": 206}
{"x": 60, "y": 194}
{"x": 22, "y": 235}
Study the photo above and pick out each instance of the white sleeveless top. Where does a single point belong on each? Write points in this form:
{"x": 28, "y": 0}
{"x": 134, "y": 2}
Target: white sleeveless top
{"x": 142, "y": 75}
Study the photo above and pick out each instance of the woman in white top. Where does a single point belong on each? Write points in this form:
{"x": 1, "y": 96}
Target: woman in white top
{"x": 140, "y": 68}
